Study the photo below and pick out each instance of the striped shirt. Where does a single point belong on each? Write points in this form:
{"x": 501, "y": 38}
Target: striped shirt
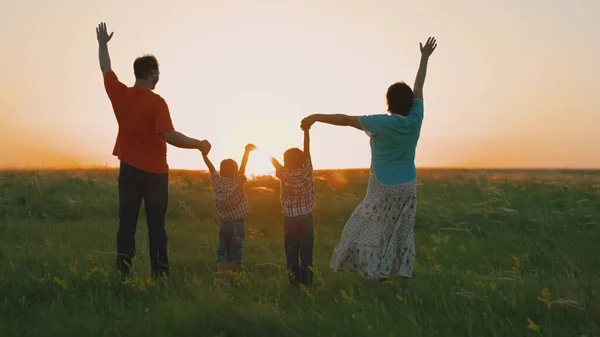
{"x": 297, "y": 190}
{"x": 231, "y": 202}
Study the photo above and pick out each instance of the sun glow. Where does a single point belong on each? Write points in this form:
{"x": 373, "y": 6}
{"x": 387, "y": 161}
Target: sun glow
{"x": 254, "y": 81}
{"x": 260, "y": 164}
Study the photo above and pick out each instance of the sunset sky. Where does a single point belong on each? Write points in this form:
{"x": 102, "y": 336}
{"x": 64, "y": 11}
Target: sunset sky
{"x": 511, "y": 84}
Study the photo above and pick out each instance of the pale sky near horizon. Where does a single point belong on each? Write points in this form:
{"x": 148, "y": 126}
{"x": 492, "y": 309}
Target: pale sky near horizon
{"x": 511, "y": 84}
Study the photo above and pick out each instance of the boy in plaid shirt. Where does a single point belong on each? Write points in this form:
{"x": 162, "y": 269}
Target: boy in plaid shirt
{"x": 231, "y": 207}
{"x": 298, "y": 203}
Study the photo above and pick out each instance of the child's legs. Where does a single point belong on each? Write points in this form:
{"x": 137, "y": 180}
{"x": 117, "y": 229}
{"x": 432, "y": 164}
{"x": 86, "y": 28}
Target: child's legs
{"x": 236, "y": 248}
{"x": 306, "y": 248}
{"x": 292, "y": 246}
{"x": 225, "y": 236}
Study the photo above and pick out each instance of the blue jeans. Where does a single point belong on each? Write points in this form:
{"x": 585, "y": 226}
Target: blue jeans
{"x": 299, "y": 240}
{"x": 136, "y": 185}
{"x": 231, "y": 242}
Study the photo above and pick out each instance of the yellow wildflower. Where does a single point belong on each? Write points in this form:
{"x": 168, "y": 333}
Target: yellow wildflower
{"x": 253, "y": 233}
{"x": 306, "y": 290}
{"x": 61, "y": 283}
{"x": 138, "y": 283}
{"x": 546, "y": 293}
{"x": 91, "y": 258}
{"x": 345, "y": 295}
{"x": 516, "y": 264}
{"x": 545, "y": 298}
{"x": 89, "y": 273}
{"x": 532, "y": 326}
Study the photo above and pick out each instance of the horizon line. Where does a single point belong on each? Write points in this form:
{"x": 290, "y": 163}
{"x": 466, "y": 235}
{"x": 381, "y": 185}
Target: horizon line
{"x": 441, "y": 167}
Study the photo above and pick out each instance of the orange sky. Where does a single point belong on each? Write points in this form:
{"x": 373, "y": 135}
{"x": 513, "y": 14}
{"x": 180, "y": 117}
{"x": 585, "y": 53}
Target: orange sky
{"x": 511, "y": 84}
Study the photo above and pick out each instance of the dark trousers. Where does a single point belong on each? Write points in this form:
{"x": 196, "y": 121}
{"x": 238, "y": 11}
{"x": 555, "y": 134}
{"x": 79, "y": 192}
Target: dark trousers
{"x": 231, "y": 242}
{"x": 298, "y": 241}
{"x": 136, "y": 185}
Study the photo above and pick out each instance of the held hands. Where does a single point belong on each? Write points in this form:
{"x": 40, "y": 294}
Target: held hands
{"x": 307, "y": 122}
{"x": 204, "y": 146}
{"x": 429, "y": 47}
{"x": 102, "y": 34}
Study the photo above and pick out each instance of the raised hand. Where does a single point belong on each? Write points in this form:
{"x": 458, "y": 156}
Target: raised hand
{"x": 250, "y": 147}
{"x": 429, "y": 47}
{"x": 102, "y": 33}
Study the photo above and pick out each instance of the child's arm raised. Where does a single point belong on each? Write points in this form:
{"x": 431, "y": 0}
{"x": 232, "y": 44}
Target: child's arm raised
{"x": 277, "y": 165}
{"x": 209, "y": 164}
{"x": 307, "y": 143}
{"x": 249, "y": 148}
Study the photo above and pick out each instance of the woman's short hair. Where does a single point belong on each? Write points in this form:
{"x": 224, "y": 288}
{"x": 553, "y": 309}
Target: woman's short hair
{"x": 399, "y": 98}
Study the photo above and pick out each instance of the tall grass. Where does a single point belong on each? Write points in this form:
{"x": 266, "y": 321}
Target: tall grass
{"x": 500, "y": 253}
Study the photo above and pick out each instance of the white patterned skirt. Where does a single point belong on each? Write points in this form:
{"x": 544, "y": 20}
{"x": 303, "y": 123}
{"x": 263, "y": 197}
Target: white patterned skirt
{"x": 378, "y": 239}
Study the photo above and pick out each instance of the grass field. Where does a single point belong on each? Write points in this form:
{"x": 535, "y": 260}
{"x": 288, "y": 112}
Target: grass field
{"x": 500, "y": 253}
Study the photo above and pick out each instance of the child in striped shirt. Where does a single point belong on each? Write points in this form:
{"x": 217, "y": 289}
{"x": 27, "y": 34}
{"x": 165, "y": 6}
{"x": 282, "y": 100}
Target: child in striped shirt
{"x": 298, "y": 203}
{"x": 231, "y": 207}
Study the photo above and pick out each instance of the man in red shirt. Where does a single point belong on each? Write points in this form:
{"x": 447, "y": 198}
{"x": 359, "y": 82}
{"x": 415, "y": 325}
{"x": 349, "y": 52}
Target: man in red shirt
{"x": 145, "y": 128}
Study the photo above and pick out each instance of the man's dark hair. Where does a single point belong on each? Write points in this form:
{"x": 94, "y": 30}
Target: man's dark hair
{"x": 143, "y": 66}
{"x": 399, "y": 98}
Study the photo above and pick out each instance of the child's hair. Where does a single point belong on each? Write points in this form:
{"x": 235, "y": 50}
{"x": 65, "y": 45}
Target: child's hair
{"x": 293, "y": 158}
{"x": 229, "y": 168}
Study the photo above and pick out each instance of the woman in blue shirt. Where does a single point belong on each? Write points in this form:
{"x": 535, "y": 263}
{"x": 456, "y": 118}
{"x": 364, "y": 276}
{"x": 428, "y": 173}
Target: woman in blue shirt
{"x": 378, "y": 239}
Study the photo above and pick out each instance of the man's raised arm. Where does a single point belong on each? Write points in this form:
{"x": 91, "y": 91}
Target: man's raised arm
{"x": 103, "y": 56}
{"x": 426, "y": 51}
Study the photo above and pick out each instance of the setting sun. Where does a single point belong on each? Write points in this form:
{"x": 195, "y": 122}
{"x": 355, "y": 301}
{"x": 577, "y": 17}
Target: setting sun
{"x": 260, "y": 164}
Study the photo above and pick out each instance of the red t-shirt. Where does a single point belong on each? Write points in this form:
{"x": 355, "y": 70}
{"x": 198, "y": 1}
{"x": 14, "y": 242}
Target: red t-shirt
{"x": 142, "y": 116}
